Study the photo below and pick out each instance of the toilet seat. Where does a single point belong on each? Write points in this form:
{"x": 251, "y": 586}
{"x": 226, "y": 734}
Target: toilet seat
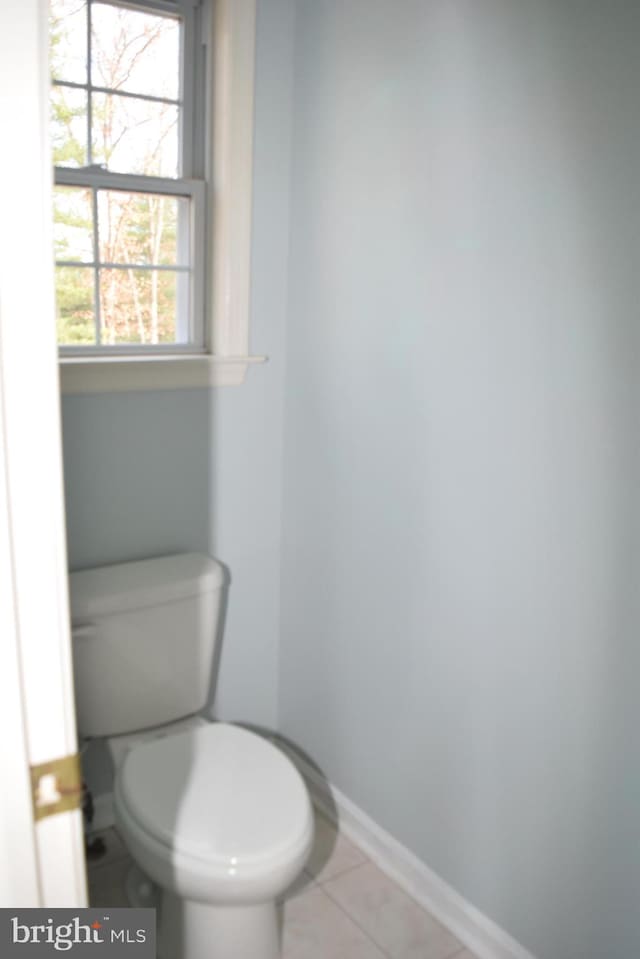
{"x": 218, "y": 796}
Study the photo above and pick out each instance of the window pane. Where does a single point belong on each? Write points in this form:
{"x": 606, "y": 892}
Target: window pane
{"x": 68, "y": 40}
{"x": 134, "y": 51}
{"x": 69, "y": 126}
{"x": 138, "y": 306}
{"x": 135, "y": 136}
{"x": 74, "y": 305}
{"x": 142, "y": 228}
{"x": 73, "y": 223}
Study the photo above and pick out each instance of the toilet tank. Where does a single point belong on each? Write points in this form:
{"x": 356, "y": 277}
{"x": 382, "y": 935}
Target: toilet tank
{"x": 144, "y": 637}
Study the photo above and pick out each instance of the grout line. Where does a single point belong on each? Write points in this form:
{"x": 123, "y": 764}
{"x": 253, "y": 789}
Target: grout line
{"x": 318, "y": 887}
{"x": 343, "y": 872}
{"x": 406, "y": 892}
{"x": 356, "y": 923}
{"x": 322, "y": 884}
{"x": 458, "y": 949}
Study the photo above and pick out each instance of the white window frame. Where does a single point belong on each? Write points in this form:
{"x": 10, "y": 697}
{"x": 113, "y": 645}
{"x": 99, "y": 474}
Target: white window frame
{"x": 230, "y": 71}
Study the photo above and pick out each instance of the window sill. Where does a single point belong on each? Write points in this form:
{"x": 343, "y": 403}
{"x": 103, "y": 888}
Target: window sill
{"x": 119, "y": 374}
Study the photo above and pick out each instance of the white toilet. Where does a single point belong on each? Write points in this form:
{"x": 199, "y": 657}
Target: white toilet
{"x": 215, "y": 815}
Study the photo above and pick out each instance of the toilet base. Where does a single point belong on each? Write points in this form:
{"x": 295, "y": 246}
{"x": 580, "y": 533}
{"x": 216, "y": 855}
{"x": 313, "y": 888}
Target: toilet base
{"x": 199, "y": 930}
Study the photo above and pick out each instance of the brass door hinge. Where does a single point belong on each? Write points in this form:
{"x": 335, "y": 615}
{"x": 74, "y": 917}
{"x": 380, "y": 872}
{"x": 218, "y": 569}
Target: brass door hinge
{"x": 56, "y": 786}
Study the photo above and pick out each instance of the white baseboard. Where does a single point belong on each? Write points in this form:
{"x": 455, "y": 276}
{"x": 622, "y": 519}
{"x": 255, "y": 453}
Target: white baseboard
{"x": 475, "y": 930}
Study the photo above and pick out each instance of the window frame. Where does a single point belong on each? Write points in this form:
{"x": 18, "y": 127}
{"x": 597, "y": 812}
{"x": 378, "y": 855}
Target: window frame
{"x": 194, "y": 190}
{"x": 225, "y": 78}
{"x": 185, "y": 184}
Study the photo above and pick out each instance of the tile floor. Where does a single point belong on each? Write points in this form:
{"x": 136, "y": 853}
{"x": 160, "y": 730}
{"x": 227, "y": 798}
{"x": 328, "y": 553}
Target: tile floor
{"x": 342, "y": 907}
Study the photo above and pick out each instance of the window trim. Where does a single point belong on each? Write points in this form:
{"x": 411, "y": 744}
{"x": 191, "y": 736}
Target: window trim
{"x": 230, "y": 29}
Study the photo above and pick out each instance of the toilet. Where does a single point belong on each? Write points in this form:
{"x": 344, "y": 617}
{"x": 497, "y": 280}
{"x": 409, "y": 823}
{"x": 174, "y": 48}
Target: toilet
{"x": 217, "y": 818}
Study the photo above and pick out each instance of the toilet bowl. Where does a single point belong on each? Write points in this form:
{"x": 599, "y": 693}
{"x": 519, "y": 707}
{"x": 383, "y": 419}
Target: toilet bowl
{"x": 221, "y": 821}
{"x": 216, "y": 816}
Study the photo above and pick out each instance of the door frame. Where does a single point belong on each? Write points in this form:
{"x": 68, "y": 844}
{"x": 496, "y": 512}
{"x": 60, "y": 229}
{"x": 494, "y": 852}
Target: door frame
{"x": 41, "y": 863}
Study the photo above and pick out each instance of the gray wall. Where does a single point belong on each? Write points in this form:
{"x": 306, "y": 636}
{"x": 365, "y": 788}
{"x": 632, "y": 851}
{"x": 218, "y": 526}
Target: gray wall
{"x": 459, "y": 564}
{"x": 150, "y": 473}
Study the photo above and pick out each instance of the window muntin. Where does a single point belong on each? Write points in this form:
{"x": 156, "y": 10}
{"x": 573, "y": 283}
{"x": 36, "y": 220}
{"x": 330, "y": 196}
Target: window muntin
{"x": 127, "y": 216}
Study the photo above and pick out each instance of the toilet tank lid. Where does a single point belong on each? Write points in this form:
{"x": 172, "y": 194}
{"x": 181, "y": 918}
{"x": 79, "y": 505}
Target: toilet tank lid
{"x": 126, "y": 586}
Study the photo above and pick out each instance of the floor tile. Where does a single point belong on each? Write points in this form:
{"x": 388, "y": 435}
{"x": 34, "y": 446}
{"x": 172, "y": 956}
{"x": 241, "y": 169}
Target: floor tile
{"x": 316, "y": 928}
{"x": 106, "y": 884}
{"x": 390, "y": 917}
{"x": 332, "y": 854}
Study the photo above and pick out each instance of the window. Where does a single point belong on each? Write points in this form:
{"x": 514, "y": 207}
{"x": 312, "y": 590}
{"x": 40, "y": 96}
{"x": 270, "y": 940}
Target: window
{"x": 150, "y": 100}
{"x": 126, "y": 130}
